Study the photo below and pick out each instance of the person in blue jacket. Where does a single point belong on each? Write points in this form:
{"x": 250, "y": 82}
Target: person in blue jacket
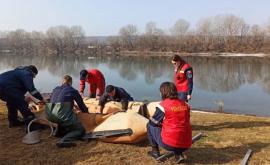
{"x": 13, "y": 86}
{"x": 114, "y": 93}
{"x": 60, "y": 110}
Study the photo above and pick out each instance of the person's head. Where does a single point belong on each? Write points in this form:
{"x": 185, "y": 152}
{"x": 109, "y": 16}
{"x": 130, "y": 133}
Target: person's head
{"x": 33, "y": 69}
{"x": 168, "y": 90}
{"x": 83, "y": 74}
{"x": 110, "y": 90}
{"x": 177, "y": 60}
{"x": 67, "y": 80}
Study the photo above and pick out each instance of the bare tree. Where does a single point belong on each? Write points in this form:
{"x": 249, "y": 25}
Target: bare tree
{"x": 180, "y": 27}
{"x": 128, "y": 36}
{"x": 153, "y": 37}
{"x": 257, "y": 35}
{"x": 63, "y": 38}
{"x": 19, "y": 40}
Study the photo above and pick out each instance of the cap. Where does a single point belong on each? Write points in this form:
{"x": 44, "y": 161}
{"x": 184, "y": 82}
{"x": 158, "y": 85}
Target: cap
{"x": 109, "y": 88}
{"x": 83, "y": 74}
{"x": 33, "y": 68}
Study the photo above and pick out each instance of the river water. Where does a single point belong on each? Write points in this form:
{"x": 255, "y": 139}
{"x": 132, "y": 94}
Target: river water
{"x": 241, "y": 84}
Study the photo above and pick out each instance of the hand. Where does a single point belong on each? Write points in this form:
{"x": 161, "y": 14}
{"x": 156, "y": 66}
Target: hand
{"x": 188, "y": 97}
{"x": 81, "y": 93}
{"x": 44, "y": 101}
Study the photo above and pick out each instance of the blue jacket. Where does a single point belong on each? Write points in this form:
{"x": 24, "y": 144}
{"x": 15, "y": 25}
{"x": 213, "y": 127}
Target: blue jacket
{"x": 120, "y": 96}
{"x": 15, "y": 83}
{"x": 66, "y": 93}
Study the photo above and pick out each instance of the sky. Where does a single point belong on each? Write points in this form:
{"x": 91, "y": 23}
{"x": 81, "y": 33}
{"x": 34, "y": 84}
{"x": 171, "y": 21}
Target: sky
{"x": 106, "y": 17}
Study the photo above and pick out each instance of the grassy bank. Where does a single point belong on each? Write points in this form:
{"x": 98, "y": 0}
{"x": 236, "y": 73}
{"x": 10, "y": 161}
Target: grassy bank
{"x": 227, "y": 138}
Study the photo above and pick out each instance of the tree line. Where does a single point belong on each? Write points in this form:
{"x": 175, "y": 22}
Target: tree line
{"x": 221, "y": 33}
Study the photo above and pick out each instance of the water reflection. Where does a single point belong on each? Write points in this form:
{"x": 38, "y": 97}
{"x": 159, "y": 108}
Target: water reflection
{"x": 211, "y": 74}
{"x": 228, "y": 74}
{"x": 143, "y": 75}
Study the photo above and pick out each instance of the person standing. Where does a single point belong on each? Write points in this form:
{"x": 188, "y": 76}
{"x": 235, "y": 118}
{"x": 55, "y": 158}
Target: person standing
{"x": 170, "y": 127}
{"x": 183, "y": 78}
{"x": 13, "y": 86}
{"x": 96, "y": 82}
{"x": 60, "y": 111}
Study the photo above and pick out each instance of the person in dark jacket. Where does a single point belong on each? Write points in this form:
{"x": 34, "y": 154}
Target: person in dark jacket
{"x": 169, "y": 127}
{"x": 60, "y": 110}
{"x": 13, "y": 86}
{"x": 114, "y": 93}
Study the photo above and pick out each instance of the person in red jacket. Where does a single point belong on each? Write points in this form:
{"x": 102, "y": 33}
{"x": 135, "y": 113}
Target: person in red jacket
{"x": 169, "y": 127}
{"x": 96, "y": 82}
{"x": 183, "y": 77}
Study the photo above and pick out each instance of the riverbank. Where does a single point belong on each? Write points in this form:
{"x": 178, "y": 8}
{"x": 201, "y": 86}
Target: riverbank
{"x": 200, "y": 54}
{"x": 226, "y": 139}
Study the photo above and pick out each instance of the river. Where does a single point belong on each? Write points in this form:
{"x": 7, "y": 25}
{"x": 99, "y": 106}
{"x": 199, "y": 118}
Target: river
{"x": 242, "y": 84}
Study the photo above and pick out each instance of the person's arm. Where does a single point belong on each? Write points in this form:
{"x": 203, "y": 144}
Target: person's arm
{"x": 79, "y": 101}
{"x": 124, "y": 97}
{"x": 100, "y": 86}
{"x": 189, "y": 75}
{"x": 102, "y": 101}
{"x": 124, "y": 103}
{"x": 27, "y": 80}
{"x": 157, "y": 119}
{"x": 82, "y": 86}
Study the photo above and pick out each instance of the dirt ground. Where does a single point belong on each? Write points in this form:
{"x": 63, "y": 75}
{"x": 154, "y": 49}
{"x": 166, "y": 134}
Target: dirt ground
{"x": 226, "y": 140}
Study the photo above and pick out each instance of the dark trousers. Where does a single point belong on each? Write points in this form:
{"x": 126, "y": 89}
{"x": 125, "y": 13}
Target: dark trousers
{"x": 15, "y": 104}
{"x": 154, "y": 137}
{"x": 182, "y": 96}
{"x": 73, "y": 131}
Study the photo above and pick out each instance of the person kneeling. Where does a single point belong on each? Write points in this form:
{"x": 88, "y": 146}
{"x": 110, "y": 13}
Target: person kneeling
{"x": 117, "y": 94}
{"x": 60, "y": 111}
{"x": 170, "y": 127}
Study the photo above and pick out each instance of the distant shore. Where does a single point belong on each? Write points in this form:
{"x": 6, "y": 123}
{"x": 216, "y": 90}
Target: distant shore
{"x": 200, "y": 54}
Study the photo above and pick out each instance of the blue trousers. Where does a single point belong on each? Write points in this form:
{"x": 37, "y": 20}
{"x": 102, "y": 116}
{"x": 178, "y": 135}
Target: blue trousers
{"x": 154, "y": 137}
{"x": 182, "y": 96}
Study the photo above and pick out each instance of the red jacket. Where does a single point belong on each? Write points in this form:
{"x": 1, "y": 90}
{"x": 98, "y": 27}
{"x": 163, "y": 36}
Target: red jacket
{"x": 181, "y": 81}
{"x": 176, "y": 129}
{"x": 96, "y": 81}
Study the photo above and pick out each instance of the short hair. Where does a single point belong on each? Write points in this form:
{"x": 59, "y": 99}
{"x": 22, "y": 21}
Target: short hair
{"x": 168, "y": 90}
{"x": 33, "y": 68}
{"x": 109, "y": 88}
{"x": 177, "y": 58}
{"x": 83, "y": 74}
{"x": 67, "y": 79}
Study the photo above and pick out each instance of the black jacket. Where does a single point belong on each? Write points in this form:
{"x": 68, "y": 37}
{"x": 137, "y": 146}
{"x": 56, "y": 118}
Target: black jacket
{"x": 120, "y": 96}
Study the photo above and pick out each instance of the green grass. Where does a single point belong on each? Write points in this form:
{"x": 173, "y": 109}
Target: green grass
{"x": 226, "y": 140}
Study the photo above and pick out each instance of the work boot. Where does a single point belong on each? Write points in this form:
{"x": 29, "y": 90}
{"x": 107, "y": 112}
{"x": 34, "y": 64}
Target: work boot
{"x": 65, "y": 144}
{"x": 155, "y": 152}
{"x": 179, "y": 158}
{"x": 59, "y": 131}
{"x": 15, "y": 123}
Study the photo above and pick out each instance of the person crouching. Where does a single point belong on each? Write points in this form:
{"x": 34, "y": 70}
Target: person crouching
{"x": 60, "y": 111}
{"x": 169, "y": 127}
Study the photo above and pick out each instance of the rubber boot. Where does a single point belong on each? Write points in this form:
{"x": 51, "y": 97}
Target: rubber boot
{"x": 155, "y": 152}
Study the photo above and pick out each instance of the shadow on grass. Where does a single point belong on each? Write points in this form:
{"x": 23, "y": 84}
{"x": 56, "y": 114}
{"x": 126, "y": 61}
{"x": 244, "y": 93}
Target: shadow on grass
{"x": 236, "y": 125}
{"x": 211, "y": 155}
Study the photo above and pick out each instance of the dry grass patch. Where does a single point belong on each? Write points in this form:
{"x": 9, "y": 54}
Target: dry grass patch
{"x": 227, "y": 138}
